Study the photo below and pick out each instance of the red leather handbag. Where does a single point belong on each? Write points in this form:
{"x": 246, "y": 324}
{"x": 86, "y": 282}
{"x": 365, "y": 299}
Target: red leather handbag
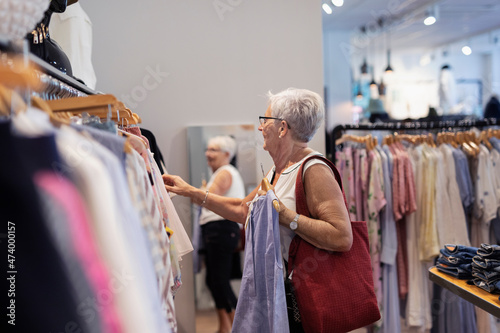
{"x": 334, "y": 290}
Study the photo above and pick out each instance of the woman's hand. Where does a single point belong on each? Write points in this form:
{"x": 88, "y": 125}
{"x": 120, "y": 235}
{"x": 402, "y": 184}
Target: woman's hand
{"x": 279, "y": 206}
{"x": 177, "y": 185}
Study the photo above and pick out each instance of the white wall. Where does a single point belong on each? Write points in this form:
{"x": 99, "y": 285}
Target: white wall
{"x": 337, "y": 72}
{"x": 182, "y": 63}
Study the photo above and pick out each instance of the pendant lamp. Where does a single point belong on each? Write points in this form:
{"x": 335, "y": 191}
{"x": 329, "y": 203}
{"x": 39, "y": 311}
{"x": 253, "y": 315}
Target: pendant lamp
{"x": 388, "y": 69}
{"x": 364, "y": 67}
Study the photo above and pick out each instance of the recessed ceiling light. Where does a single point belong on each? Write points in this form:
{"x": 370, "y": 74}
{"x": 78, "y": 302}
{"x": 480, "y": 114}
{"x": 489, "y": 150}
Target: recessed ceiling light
{"x": 466, "y": 50}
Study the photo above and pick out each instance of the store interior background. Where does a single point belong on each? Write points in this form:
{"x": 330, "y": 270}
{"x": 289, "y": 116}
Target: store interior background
{"x": 203, "y": 63}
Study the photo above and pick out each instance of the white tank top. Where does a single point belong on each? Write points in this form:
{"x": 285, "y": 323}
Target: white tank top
{"x": 285, "y": 191}
{"x": 237, "y": 190}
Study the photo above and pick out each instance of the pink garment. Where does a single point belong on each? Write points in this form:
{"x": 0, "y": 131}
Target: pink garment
{"x": 376, "y": 201}
{"x": 85, "y": 248}
{"x": 349, "y": 175}
{"x": 364, "y": 174}
{"x": 410, "y": 196}
{"x": 358, "y": 191}
{"x": 137, "y": 132}
{"x": 396, "y": 178}
{"x": 401, "y": 179}
{"x": 402, "y": 258}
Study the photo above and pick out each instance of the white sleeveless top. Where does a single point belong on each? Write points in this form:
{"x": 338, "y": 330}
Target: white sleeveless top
{"x": 285, "y": 191}
{"x": 237, "y": 190}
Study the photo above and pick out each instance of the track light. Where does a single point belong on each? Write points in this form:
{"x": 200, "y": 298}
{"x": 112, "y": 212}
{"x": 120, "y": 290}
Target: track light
{"x": 338, "y": 3}
{"x": 430, "y": 20}
{"x": 431, "y": 15}
{"x": 327, "y": 8}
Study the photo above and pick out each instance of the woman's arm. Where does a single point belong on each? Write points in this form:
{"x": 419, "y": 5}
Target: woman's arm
{"x": 330, "y": 228}
{"x": 232, "y": 209}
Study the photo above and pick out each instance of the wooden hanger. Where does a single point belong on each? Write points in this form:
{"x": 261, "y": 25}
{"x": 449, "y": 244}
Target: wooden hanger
{"x": 12, "y": 101}
{"x": 42, "y": 105}
{"x": 483, "y": 138}
{"x": 83, "y": 104}
{"x": 348, "y": 137}
{"x": 266, "y": 186}
{"x": 102, "y": 106}
{"x": 388, "y": 139}
{"x": 464, "y": 144}
{"x": 17, "y": 75}
{"x": 471, "y": 139}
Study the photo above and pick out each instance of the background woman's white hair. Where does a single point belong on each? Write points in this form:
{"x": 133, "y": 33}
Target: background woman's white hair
{"x": 303, "y": 110}
{"x": 225, "y": 143}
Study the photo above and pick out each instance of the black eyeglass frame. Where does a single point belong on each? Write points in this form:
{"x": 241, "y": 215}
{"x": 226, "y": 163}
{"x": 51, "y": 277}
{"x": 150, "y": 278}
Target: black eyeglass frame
{"x": 262, "y": 118}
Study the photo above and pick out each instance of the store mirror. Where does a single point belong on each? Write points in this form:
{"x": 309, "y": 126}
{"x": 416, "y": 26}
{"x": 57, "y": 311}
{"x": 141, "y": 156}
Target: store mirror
{"x": 245, "y": 162}
{"x": 245, "y": 158}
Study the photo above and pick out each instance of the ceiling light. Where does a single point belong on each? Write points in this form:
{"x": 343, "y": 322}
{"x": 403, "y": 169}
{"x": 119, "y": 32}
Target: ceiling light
{"x": 466, "y": 50}
{"x": 430, "y": 20}
{"x": 338, "y": 3}
{"x": 388, "y": 69}
{"x": 327, "y": 9}
{"x": 381, "y": 88}
{"x": 364, "y": 67}
{"x": 431, "y": 15}
{"x": 359, "y": 95}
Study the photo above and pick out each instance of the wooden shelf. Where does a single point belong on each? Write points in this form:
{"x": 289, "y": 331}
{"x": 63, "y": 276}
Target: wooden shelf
{"x": 477, "y": 296}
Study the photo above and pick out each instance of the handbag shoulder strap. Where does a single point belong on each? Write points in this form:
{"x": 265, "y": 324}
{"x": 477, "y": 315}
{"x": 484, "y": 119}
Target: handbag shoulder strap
{"x": 301, "y": 204}
{"x": 300, "y": 195}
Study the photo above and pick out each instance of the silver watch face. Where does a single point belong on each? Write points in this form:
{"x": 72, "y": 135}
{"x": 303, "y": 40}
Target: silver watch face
{"x": 293, "y": 225}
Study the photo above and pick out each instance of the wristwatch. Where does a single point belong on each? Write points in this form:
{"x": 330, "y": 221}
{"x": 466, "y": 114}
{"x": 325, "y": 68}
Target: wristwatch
{"x": 293, "y": 224}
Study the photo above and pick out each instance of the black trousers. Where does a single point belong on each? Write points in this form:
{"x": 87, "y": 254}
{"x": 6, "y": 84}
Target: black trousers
{"x": 220, "y": 240}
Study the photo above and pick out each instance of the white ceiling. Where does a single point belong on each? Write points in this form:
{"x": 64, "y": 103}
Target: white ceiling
{"x": 458, "y": 20}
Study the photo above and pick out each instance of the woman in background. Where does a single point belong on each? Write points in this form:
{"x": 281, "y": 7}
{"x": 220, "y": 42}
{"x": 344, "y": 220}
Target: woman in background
{"x": 221, "y": 236}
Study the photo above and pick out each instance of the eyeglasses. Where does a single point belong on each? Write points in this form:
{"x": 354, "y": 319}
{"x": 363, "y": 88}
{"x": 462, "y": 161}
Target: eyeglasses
{"x": 213, "y": 150}
{"x": 263, "y": 119}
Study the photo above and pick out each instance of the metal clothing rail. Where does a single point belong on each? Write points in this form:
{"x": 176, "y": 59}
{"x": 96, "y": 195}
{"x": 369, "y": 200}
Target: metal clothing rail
{"x": 410, "y": 126}
{"x": 57, "y": 80}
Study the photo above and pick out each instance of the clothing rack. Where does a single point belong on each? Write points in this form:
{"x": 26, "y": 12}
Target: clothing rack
{"x": 410, "y": 126}
{"x": 58, "y": 83}
{"x": 54, "y": 83}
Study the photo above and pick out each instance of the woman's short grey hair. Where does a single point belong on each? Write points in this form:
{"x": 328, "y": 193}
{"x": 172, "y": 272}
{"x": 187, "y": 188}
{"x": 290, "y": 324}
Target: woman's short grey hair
{"x": 225, "y": 143}
{"x": 302, "y": 109}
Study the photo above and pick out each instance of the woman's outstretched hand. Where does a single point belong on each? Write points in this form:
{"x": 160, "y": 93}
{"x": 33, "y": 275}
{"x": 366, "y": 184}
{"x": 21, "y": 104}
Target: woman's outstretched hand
{"x": 177, "y": 185}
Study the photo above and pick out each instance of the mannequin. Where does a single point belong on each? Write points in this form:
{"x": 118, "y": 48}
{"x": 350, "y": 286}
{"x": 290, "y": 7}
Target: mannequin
{"x": 73, "y": 32}
{"x": 43, "y": 46}
{"x": 447, "y": 90}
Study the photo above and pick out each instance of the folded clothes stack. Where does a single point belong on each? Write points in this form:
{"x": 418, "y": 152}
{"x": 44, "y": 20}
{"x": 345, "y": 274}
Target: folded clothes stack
{"x": 456, "y": 260}
{"x": 486, "y": 268}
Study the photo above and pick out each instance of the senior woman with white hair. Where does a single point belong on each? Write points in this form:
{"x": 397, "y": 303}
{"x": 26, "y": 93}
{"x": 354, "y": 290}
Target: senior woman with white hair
{"x": 221, "y": 236}
{"x": 291, "y": 120}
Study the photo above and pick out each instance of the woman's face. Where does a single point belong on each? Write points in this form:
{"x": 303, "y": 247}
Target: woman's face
{"x": 216, "y": 157}
{"x": 269, "y": 131}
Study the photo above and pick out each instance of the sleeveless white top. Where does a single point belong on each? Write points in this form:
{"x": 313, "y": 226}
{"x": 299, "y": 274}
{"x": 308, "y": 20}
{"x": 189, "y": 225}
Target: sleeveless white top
{"x": 285, "y": 191}
{"x": 237, "y": 190}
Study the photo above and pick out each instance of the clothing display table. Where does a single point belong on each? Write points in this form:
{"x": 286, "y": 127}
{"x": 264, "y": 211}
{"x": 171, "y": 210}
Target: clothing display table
{"x": 477, "y": 296}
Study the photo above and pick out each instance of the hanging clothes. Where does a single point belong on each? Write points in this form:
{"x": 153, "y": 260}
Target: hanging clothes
{"x": 261, "y": 303}
{"x": 113, "y": 187}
